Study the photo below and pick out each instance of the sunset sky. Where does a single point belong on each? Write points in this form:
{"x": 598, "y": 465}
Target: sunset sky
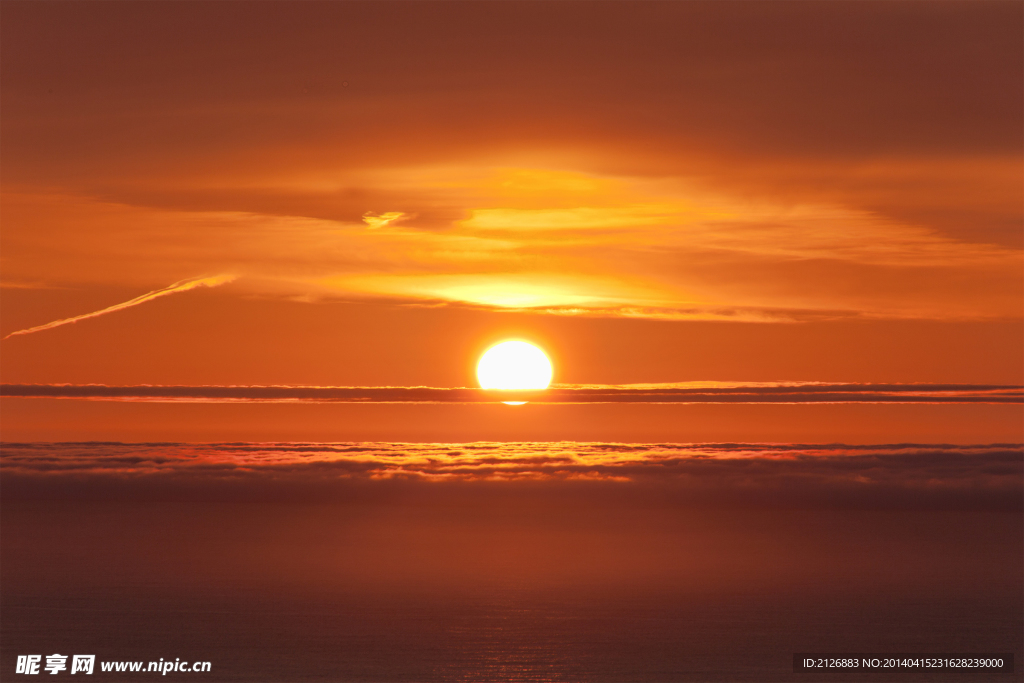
{"x": 371, "y": 194}
{"x": 251, "y": 254}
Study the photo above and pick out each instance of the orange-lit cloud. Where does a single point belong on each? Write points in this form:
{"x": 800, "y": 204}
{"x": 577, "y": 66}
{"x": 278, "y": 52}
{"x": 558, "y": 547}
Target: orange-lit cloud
{"x": 720, "y": 172}
{"x": 383, "y": 219}
{"x": 623, "y": 246}
{"x": 182, "y": 286}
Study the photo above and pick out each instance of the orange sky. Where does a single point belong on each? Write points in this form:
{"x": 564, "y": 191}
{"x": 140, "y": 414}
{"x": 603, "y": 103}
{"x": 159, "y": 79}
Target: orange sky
{"x": 654, "y": 192}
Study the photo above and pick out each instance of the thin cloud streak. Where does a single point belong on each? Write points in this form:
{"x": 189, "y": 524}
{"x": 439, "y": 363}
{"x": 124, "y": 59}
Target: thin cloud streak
{"x": 683, "y": 393}
{"x": 180, "y": 286}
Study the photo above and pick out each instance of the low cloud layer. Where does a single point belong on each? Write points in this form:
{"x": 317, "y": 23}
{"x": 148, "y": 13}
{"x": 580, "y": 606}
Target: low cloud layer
{"x": 787, "y": 475}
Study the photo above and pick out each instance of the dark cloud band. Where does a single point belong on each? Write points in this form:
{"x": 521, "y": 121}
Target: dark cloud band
{"x": 560, "y": 394}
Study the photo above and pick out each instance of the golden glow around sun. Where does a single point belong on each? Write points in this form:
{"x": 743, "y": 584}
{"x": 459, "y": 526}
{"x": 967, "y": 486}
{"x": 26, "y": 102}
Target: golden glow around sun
{"x": 514, "y": 365}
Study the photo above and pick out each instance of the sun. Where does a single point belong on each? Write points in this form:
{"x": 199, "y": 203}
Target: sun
{"x": 514, "y": 365}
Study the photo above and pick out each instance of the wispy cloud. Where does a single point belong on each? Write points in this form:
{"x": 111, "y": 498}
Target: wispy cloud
{"x": 726, "y": 190}
{"x": 181, "y": 286}
{"x": 563, "y": 242}
{"x": 687, "y": 392}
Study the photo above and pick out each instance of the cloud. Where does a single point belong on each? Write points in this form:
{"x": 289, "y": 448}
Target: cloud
{"x": 382, "y": 220}
{"x": 504, "y": 238}
{"x": 774, "y": 176}
{"x": 789, "y": 475}
{"x": 181, "y": 286}
{"x": 683, "y": 393}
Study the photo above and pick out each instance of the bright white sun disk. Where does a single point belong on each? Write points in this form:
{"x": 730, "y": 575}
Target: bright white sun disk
{"x": 514, "y": 365}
